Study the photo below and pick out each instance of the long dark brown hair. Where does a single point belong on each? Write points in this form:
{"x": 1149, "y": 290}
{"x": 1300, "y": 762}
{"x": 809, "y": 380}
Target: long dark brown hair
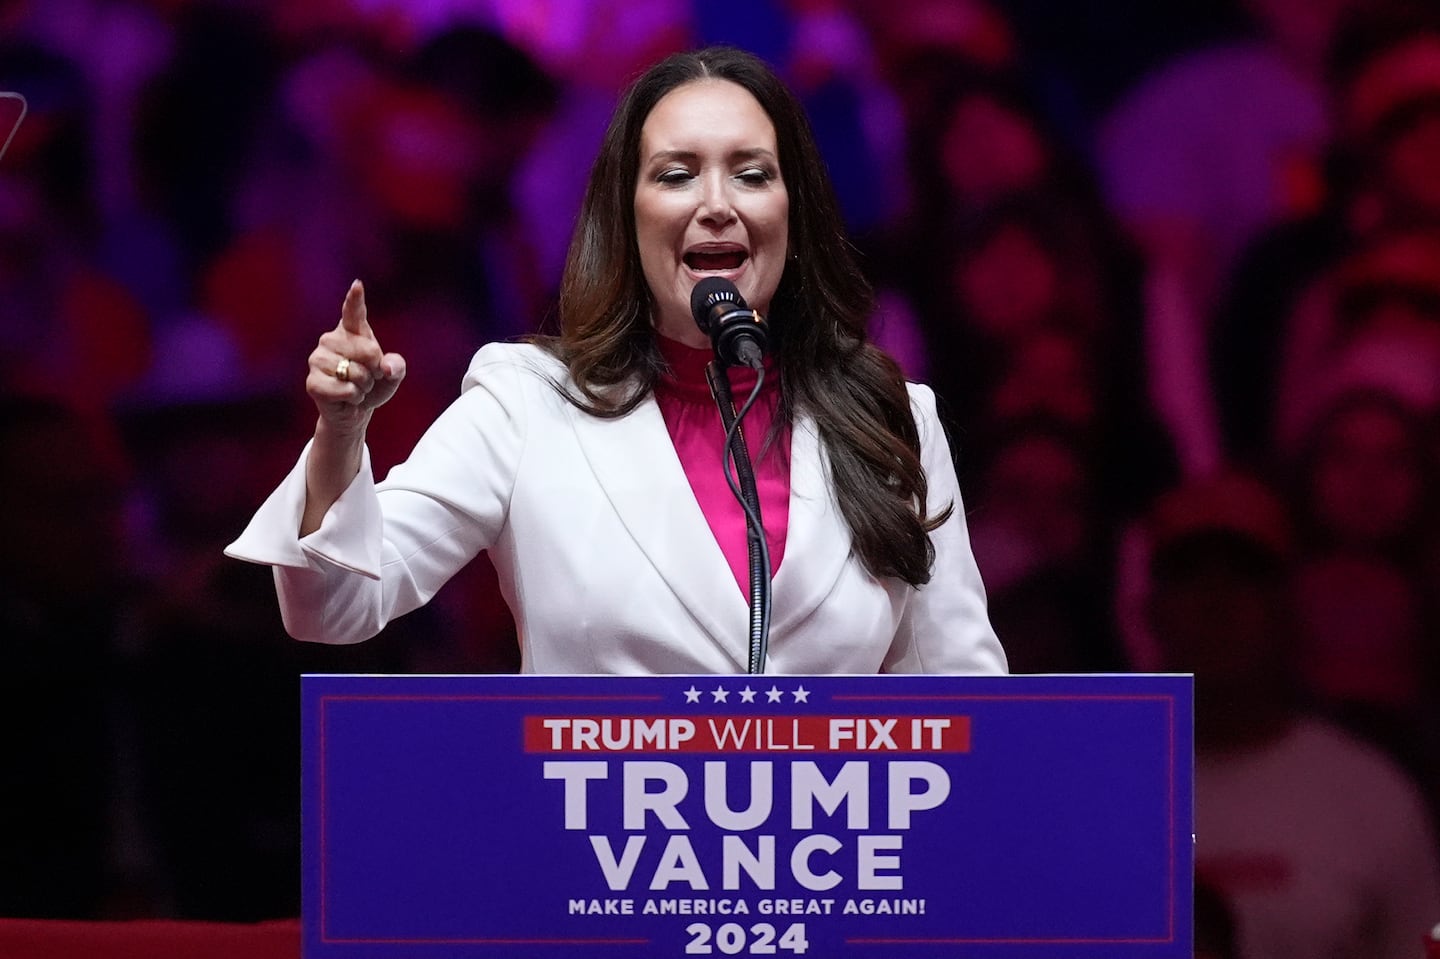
{"x": 854, "y": 391}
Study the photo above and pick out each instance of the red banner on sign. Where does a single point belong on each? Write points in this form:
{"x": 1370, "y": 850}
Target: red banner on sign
{"x": 727, "y": 734}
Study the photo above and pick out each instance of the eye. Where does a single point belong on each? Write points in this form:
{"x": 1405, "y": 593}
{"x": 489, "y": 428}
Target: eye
{"x": 673, "y": 177}
{"x": 755, "y": 176}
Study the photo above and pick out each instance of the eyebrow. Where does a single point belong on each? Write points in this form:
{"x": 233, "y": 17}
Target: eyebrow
{"x": 749, "y": 153}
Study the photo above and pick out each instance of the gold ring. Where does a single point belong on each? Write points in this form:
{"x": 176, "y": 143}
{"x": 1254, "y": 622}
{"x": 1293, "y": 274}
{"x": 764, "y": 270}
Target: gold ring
{"x": 342, "y": 369}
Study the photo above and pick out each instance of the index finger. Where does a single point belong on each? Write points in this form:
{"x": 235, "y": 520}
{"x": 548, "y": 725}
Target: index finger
{"x": 353, "y": 314}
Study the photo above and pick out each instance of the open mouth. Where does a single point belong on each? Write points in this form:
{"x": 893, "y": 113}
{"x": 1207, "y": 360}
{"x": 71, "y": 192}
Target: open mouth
{"x": 715, "y": 261}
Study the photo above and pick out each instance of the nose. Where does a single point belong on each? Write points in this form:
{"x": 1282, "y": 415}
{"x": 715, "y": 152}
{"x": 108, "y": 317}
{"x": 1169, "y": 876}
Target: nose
{"x": 716, "y": 208}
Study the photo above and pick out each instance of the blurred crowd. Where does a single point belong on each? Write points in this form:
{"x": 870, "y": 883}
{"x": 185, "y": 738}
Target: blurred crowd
{"x": 1174, "y": 273}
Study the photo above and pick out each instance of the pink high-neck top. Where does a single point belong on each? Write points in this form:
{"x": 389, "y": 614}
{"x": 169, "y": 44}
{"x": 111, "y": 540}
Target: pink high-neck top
{"x": 699, "y": 437}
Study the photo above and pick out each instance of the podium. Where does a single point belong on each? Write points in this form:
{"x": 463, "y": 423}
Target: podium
{"x": 826, "y": 816}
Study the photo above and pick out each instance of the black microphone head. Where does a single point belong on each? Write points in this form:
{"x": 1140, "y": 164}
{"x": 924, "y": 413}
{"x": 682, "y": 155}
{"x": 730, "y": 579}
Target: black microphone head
{"x": 709, "y": 293}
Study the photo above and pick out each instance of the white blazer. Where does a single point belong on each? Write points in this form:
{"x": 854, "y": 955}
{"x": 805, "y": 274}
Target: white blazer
{"x": 602, "y": 551}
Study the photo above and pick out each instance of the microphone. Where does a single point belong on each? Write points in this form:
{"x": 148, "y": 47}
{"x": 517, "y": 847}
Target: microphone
{"x": 737, "y": 332}
{"x": 738, "y": 335}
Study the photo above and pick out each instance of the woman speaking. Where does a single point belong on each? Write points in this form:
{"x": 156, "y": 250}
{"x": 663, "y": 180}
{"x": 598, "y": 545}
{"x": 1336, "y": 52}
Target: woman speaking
{"x": 588, "y": 463}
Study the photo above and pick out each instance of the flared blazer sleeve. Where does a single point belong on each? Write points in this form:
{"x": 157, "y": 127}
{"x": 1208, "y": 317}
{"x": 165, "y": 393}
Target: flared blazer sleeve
{"x": 385, "y": 549}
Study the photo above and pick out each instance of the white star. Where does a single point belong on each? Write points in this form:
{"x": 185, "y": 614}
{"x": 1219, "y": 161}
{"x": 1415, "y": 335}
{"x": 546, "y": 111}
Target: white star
{"x": 747, "y": 695}
{"x": 773, "y": 694}
{"x": 692, "y": 695}
{"x": 720, "y": 692}
{"x": 801, "y": 694}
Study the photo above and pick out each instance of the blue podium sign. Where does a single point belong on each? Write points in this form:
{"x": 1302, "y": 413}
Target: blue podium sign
{"x": 636, "y": 817}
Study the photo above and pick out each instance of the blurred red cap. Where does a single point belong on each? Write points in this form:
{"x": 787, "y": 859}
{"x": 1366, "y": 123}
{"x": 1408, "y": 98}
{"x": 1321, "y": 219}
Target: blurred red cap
{"x": 1229, "y": 502}
{"x": 1403, "y": 259}
{"x": 1402, "y": 75}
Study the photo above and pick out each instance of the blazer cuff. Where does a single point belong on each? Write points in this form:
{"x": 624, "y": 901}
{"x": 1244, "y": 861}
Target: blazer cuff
{"x": 349, "y": 536}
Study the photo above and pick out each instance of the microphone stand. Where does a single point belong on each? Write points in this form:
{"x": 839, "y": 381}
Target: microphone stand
{"x": 749, "y": 497}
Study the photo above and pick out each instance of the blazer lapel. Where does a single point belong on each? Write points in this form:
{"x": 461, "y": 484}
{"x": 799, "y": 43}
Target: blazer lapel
{"x": 817, "y": 542}
{"x": 637, "y": 468}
